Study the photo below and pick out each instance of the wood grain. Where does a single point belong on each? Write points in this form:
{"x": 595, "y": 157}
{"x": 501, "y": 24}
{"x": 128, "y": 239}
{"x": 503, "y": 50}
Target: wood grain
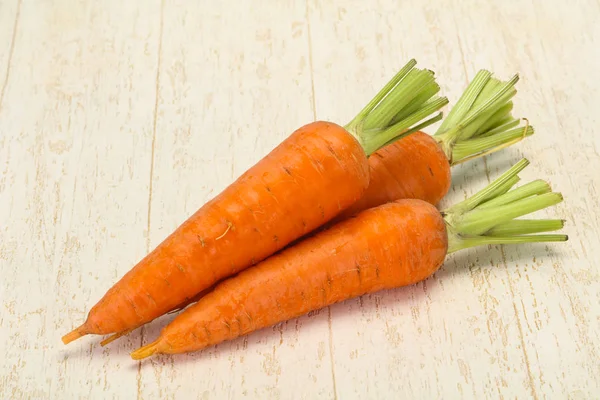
{"x": 119, "y": 119}
{"x": 76, "y": 125}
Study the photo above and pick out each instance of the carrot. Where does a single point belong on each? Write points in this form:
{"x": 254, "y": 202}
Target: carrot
{"x": 393, "y": 245}
{"x": 418, "y": 166}
{"x": 315, "y": 173}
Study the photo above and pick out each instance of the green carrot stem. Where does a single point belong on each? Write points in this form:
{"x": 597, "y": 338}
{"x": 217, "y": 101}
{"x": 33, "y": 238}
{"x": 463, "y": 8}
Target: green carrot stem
{"x": 404, "y": 95}
{"x": 469, "y": 130}
{"x": 491, "y": 86}
{"x": 456, "y": 243}
{"x": 485, "y": 193}
{"x": 406, "y": 100}
{"x": 477, "y": 222}
{"x": 384, "y": 92}
{"x": 428, "y": 94}
{"x": 496, "y": 119}
{"x": 496, "y": 99}
{"x": 532, "y": 188}
{"x": 375, "y": 140}
{"x": 526, "y": 226}
{"x": 473, "y": 147}
{"x": 505, "y": 187}
{"x": 505, "y": 124}
{"x": 488, "y": 217}
{"x": 466, "y": 100}
{"x": 481, "y": 122}
{"x": 489, "y": 103}
{"x": 401, "y": 96}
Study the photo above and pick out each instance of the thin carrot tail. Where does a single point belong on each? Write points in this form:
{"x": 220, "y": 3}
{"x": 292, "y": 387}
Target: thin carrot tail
{"x": 115, "y": 336}
{"x": 74, "y": 334}
{"x": 145, "y": 351}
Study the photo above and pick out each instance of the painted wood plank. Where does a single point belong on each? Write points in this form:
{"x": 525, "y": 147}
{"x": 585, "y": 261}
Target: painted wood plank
{"x": 76, "y": 129}
{"x": 9, "y": 23}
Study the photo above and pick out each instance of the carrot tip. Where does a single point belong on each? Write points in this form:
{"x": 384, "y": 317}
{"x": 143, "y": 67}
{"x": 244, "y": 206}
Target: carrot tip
{"x": 74, "y": 334}
{"x": 145, "y": 351}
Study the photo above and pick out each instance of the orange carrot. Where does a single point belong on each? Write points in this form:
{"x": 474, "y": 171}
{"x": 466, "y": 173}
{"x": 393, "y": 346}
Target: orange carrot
{"x": 318, "y": 171}
{"x": 418, "y": 166}
{"x": 389, "y": 246}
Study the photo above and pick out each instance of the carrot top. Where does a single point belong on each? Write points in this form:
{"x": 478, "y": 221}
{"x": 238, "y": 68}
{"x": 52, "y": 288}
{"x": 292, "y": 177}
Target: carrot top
{"x": 481, "y": 122}
{"x": 488, "y": 217}
{"x": 398, "y": 109}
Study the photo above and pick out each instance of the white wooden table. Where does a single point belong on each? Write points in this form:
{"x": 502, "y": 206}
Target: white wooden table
{"x": 118, "y": 119}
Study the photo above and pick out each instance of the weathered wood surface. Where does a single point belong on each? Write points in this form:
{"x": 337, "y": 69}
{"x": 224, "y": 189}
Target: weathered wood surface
{"x": 119, "y": 119}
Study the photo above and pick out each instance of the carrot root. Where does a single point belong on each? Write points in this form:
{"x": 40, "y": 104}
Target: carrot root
{"x": 74, "y": 334}
{"x": 145, "y": 351}
{"x": 115, "y": 336}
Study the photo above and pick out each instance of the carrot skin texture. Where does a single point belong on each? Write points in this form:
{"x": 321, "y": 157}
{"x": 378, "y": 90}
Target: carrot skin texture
{"x": 304, "y": 182}
{"x": 414, "y": 167}
{"x": 396, "y": 244}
